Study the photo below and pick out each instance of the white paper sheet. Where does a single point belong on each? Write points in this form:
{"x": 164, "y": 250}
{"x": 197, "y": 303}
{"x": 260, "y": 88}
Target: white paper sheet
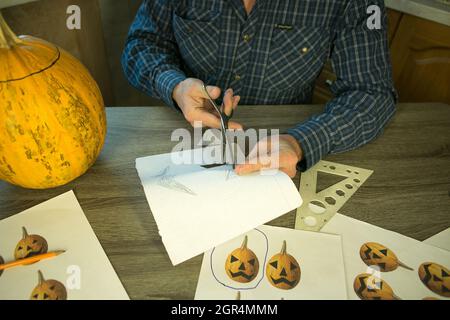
{"x": 63, "y": 224}
{"x": 318, "y": 255}
{"x": 405, "y": 283}
{"x": 440, "y": 240}
{"x": 196, "y": 208}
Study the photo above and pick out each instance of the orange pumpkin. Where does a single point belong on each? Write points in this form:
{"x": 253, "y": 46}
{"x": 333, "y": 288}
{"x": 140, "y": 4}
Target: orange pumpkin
{"x": 375, "y": 254}
{"x": 30, "y": 245}
{"x": 242, "y": 264}
{"x": 283, "y": 271}
{"x": 369, "y": 287}
{"x": 52, "y": 116}
{"x": 436, "y": 278}
{"x": 48, "y": 290}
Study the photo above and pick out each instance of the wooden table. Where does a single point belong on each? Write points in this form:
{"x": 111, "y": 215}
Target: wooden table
{"x": 409, "y": 191}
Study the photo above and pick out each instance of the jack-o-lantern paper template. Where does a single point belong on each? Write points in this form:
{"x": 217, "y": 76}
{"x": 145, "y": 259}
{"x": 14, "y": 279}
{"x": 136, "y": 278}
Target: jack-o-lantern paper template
{"x": 242, "y": 265}
{"x": 58, "y": 224}
{"x": 436, "y": 278}
{"x": 30, "y": 245}
{"x": 293, "y": 264}
{"x": 373, "y": 250}
{"x": 48, "y": 289}
{"x": 283, "y": 270}
{"x": 375, "y": 254}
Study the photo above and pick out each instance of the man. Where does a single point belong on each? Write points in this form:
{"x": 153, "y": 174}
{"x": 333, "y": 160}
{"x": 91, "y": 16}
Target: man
{"x": 268, "y": 52}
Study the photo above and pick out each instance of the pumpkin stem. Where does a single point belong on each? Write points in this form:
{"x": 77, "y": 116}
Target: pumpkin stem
{"x": 24, "y": 233}
{"x": 41, "y": 277}
{"x": 244, "y": 243}
{"x": 7, "y": 37}
{"x": 283, "y": 249}
{"x": 401, "y": 264}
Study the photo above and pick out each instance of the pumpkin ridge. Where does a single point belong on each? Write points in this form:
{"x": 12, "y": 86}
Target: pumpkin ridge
{"x": 58, "y": 56}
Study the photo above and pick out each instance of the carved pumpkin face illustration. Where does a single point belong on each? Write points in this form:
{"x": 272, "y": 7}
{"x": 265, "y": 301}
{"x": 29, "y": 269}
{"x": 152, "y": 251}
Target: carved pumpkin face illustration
{"x": 30, "y": 245}
{"x": 242, "y": 265}
{"x": 283, "y": 271}
{"x": 48, "y": 290}
{"x": 375, "y": 254}
{"x": 436, "y": 278}
{"x": 369, "y": 287}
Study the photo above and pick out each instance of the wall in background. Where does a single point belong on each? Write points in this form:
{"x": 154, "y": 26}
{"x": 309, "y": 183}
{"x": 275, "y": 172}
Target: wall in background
{"x": 117, "y": 16}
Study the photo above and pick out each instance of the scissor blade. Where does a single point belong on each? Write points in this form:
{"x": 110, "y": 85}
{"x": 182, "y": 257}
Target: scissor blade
{"x": 215, "y": 165}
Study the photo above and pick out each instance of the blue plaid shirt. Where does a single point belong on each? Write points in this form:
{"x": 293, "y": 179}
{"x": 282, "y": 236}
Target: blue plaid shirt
{"x": 271, "y": 57}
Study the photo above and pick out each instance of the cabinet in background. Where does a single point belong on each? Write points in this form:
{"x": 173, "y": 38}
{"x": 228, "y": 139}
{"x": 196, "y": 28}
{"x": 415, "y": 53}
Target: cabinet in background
{"x": 420, "y": 52}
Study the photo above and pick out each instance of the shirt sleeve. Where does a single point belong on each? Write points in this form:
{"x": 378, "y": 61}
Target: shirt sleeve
{"x": 364, "y": 95}
{"x": 151, "y": 60}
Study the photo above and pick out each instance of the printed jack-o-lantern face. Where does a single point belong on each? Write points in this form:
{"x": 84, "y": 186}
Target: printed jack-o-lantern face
{"x": 30, "y": 245}
{"x": 369, "y": 287}
{"x": 436, "y": 278}
{"x": 375, "y": 254}
{"x": 48, "y": 290}
{"x": 242, "y": 265}
{"x": 283, "y": 271}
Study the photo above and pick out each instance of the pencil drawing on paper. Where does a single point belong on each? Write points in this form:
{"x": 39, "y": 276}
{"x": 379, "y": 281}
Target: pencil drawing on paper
{"x": 230, "y": 175}
{"x": 168, "y": 181}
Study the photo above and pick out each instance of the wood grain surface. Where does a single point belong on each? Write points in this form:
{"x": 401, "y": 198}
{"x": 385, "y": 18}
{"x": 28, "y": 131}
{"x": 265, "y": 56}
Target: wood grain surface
{"x": 409, "y": 191}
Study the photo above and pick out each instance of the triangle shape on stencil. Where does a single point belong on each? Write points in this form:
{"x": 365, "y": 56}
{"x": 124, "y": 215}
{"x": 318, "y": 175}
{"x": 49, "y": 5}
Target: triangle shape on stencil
{"x": 326, "y": 180}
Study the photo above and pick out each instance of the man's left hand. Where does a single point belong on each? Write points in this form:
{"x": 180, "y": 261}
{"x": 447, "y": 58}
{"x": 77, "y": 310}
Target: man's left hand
{"x": 287, "y": 154}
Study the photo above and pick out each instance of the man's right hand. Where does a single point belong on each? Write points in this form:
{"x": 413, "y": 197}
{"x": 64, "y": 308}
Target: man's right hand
{"x": 193, "y": 102}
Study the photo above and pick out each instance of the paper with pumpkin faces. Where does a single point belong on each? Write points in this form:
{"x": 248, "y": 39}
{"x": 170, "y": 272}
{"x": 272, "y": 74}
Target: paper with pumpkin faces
{"x": 82, "y": 272}
{"x": 406, "y": 268}
{"x": 274, "y": 263}
{"x": 197, "y": 208}
{"x": 440, "y": 240}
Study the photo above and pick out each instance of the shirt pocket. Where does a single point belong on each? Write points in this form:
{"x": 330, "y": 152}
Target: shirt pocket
{"x": 296, "y": 57}
{"x": 198, "y": 42}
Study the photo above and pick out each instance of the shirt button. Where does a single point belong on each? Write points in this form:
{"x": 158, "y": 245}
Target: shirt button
{"x": 246, "y": 38}
{"x": 305, "y": 50}
{"x": 237, "y": 77}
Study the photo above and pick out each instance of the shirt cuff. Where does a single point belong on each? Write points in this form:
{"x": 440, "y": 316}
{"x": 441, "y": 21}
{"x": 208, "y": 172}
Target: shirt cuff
{"x": 165, "y": 84}
{"x": 314, "y": 142}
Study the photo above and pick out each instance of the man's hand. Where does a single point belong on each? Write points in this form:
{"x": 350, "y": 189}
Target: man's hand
{"x": 287, "y": 154}
{"x": 193, "y": 102}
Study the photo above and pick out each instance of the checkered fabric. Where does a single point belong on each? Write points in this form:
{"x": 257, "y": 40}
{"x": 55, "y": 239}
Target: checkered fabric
{"x": 272, "y": 57}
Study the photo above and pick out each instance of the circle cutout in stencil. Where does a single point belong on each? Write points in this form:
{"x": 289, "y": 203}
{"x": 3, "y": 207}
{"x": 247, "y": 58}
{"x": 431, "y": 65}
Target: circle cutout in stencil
{"x": 349, "y": 186}
{"x": 340, "y": 193}
{"x": 310, "y": 221}
{"x": 317, "y": 207}
{"x": 330, "y": 200}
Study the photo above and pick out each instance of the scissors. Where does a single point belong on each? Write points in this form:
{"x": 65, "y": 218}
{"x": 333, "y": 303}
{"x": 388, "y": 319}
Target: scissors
{"x": 224, "y": 120}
